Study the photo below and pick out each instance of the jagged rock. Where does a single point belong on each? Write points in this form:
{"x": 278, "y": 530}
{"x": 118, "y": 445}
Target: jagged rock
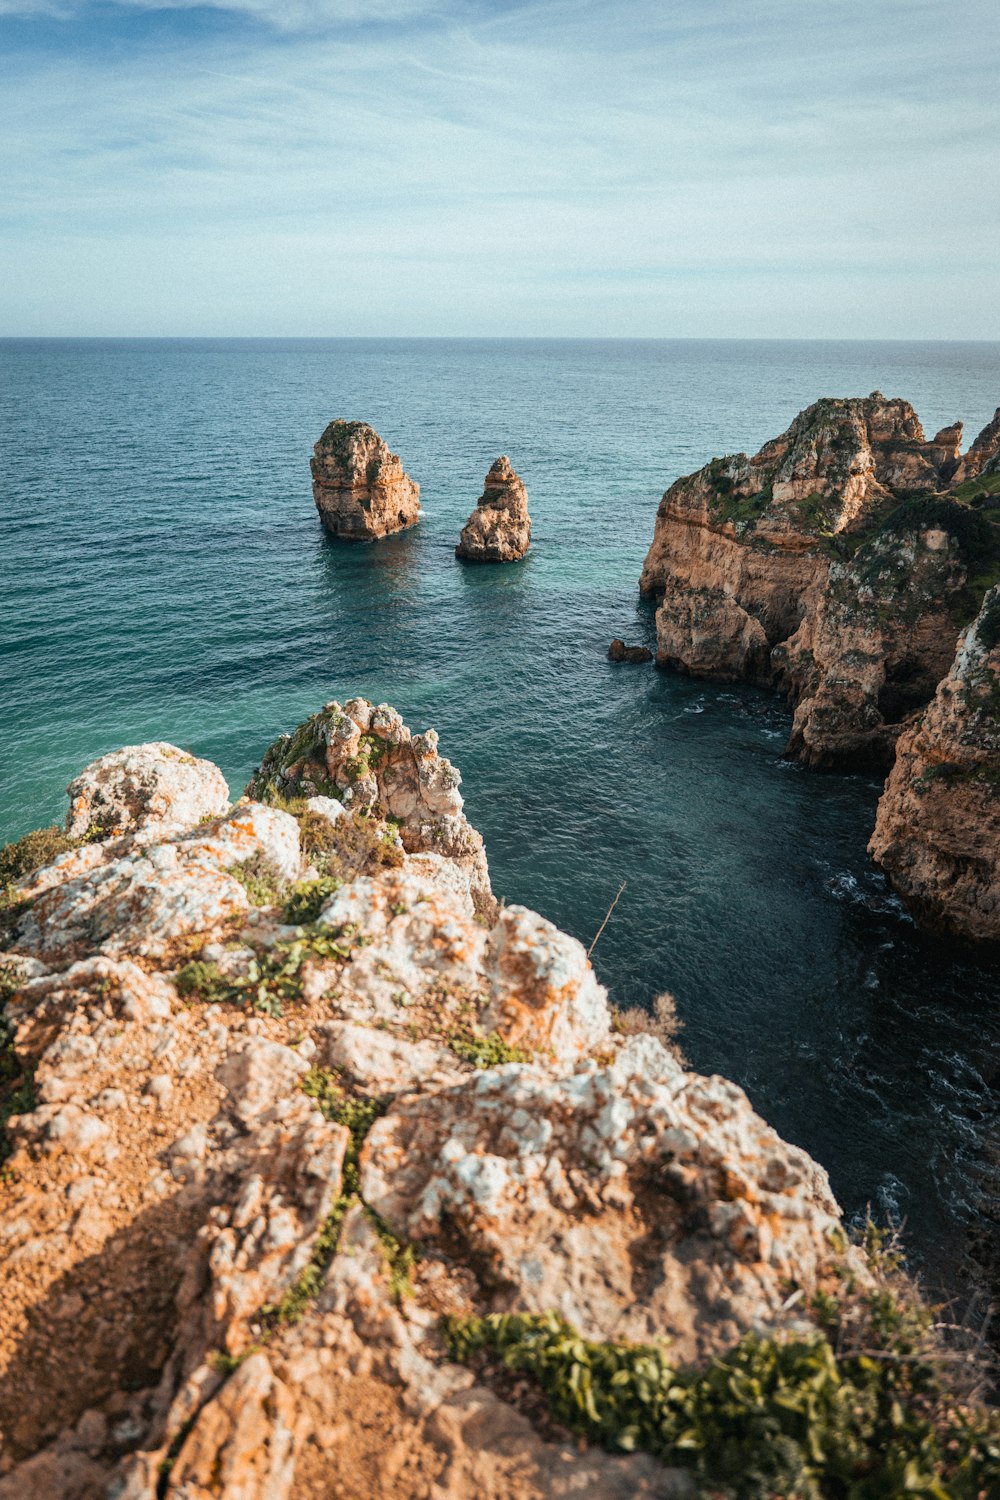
{"x": 365, "y": 757}
{"x": 937, "y": 833}
{"x": 360, "y": 488}
{"x": 145, "y": 790}
{"x": 193, "y": 1303}
{"x": 831, "y": 565}
{"x": 618, "y": 651}
{"x": 984, "y": 453}
{"x": 143, "y": 901}
{"x": 555, "y": 1178}
{"x": 499, "y": 529}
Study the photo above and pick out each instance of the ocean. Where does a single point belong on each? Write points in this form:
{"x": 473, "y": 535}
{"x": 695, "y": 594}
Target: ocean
{"x": 165, "y": 576}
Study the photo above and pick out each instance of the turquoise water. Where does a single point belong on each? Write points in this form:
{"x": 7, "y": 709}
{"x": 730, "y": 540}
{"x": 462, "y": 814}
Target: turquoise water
{"x": 165, "y": 576}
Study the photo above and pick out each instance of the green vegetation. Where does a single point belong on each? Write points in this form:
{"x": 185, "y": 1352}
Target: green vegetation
{"x": 260, "y": 878}
{"x": 17, "y": 1084}
{"x": 272, "y": 979}
{"x": 307, "y": 898}
{"x": 487, "y": 1051}
{"x": 799, "y": 1419}
{"x": 358, "y": 1115}
{"x": 981, "y": 490}
{"x": 740, "y": 509}
{"x": 33, "y": 851}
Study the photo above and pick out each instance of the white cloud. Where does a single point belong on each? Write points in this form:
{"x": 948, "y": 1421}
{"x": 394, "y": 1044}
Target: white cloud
{"x": 542, "y": 169}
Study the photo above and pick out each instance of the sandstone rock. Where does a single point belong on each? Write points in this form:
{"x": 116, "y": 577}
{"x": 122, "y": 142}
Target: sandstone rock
{"x": 618, "y": 651}
{"x": 365, "y": 757}
{"x": 937, "y": 833}
{"x": 499, "y": 529}
{"x": 983, "y": 454}
{"x": 195, "y": 1300}
{"x": 145, "y": 790}
{"x": 831, "y": 565}
{"x": 142, "y": 902}
{"x": 549, "y": 1177}
{"x": 360, "y": 489}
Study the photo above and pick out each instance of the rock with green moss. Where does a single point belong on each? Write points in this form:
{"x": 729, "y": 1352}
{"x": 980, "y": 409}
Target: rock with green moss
{"x": 838, "y": 564}
{"x": 363, "y": 756}
{"x": 360, "y": 488}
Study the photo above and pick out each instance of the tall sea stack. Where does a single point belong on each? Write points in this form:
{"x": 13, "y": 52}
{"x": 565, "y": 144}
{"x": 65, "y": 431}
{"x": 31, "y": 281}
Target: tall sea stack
{"x": 499, "y": 529}
{"x": 361, "y": 489}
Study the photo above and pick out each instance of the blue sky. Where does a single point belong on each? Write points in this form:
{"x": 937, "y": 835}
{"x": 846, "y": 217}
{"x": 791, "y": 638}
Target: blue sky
{"x": 700, "y": 168}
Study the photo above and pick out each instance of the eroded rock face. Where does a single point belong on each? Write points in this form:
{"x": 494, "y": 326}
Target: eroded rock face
{"x": 499, "y": 529}
{"x": 147, "y": 790}
{"x": 366, "y": 758}
{"x": 360, "y": 488}
{"x": 195, "y": 1299}
{"x": 837, "y": 564}
{"x": 937, "y": 833}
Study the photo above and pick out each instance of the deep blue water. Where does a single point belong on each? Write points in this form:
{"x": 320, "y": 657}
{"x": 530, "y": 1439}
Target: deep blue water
{"x": 165, "y": 576}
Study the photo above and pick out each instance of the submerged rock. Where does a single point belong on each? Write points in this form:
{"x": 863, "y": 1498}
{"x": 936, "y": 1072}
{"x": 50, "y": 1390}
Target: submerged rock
{"x": 238, "y": 1127}
{"x": 360, "y": 488}
{"x": 499, "y": 529}
{"x": 618, "y": 651}
{"x": 836, "y": 564}
{"x": 937, "y": 832}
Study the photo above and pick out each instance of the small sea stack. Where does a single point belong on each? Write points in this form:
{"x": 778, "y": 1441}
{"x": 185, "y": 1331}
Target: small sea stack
{"x": 499, "y": 529}
{"x": 361, "y": 489}
{"x": 618, "y": 651}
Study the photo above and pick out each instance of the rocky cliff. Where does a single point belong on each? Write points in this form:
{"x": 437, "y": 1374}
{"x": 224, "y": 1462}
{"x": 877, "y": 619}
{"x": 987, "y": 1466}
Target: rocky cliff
{"x": 324, "y": 1176}
{"x": 837, "y": 564}
{"x": 360, "y": 489}
{"x": 937, "y": 834}
{"x": 499, "y": 529}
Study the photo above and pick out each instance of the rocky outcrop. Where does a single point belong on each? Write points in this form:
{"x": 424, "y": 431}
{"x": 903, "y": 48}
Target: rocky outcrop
{"x": 364, "y": 758}
{"x": 232, "y": 1131}
{"x": 984, "y": 455}
{"x": 360, "y": 489}
{"x": 618, "y": 651}
{"x": 499, "y": 529}
{"x": 937, "y": 834}
{"x": 837, "y": 564}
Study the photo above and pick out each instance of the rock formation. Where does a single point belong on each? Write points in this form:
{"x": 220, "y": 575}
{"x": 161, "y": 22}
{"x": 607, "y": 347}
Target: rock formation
{"x": 837, "y": 564}
{"x": 618, "y": 651}
{"x": 499, "y": 529}
{"x": 937, "y": 834}
{"x": 231, "y": 1133}
{"x": 366, "y": 759}
{"x": 360, "y": 489}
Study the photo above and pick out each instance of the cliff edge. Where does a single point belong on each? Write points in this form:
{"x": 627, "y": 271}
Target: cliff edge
{"x": 324, "y": 1175}
{"x": 937, "y": 833}
{"x": 838, "y": 564}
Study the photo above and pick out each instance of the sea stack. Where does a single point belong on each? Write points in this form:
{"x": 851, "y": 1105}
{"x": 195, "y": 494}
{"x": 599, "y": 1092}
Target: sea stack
{"x": 937, "y": 834}
{"x": 361, "y": 489}
{"x": 499, "y": 529}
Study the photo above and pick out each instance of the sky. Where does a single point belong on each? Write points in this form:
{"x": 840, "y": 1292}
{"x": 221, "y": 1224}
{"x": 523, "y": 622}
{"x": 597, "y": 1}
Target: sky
{"x": 632, "y": 168}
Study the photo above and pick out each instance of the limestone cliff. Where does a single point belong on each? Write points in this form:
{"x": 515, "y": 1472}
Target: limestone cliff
{"x": 937, "y": 834}
{"x": 499, "y": 529}
{"x": 838, "y": 564}
{"x": 291, "y": 1120}
{"x": 360, "y": 489}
